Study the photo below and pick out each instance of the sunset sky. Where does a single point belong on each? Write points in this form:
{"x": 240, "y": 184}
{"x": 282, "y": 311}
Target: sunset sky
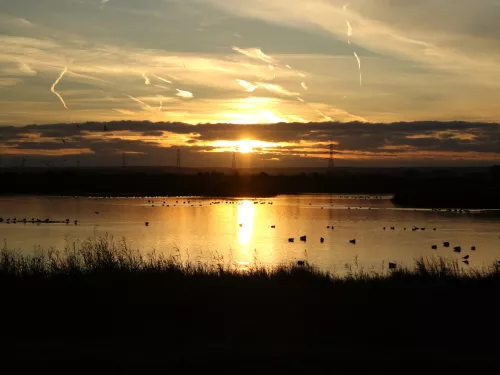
{"x": 386, "y": 80}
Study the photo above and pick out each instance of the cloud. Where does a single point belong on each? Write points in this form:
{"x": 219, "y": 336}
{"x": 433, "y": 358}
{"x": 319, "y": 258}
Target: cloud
{"x": 249, "y": 87}
{"x": 184, "y": 94}
{"x": 25, "y": 68}
{"x": 399, "y": 29}
{"x": 355, "y": 141}
{"x": 9, "y": 81}
{"x": 420, "y": 61}
{"x": 277, "y": 89}
{"x": 255, "y": 53}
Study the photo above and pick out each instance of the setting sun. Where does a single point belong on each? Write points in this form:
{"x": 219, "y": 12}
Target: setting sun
{"x": 244, "y": 146}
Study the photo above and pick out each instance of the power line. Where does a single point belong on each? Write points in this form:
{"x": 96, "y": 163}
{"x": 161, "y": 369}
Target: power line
{"x": 331, "y": 159}
{"x": 233, "y": 165}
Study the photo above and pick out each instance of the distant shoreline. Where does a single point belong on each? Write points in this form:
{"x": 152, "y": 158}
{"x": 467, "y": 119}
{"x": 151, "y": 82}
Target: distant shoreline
{"x": 433, "y": 188}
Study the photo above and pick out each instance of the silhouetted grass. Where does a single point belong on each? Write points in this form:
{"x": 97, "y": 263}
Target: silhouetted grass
{"x": 104, "y": 256}
{"x": 104, "y": 304}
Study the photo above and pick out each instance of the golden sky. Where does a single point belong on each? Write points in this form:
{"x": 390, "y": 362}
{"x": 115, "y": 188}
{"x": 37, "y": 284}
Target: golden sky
{"x": 253, "y": 62}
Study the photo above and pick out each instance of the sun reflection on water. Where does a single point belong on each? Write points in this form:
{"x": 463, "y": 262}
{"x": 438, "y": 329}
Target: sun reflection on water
{"x": 246, "y": 217}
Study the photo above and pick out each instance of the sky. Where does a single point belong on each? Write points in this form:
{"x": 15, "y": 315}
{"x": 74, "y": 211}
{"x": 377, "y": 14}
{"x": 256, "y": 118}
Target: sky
{"x": 388, "y": 82}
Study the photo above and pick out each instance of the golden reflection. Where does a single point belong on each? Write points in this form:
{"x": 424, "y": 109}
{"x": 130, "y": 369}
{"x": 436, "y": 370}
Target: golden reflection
{"x": 246, "y": 217}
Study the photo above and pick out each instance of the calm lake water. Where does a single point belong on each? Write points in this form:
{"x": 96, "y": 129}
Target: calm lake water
{"x": 241, "y": 228}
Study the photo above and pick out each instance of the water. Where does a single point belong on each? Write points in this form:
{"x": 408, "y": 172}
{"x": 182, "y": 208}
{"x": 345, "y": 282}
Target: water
{"x": 198, "y": 228}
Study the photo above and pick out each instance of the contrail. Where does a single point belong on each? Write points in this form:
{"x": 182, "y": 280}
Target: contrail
{"x": 163, "y": 87}
{"x": 359, "y": 65}
{"x": 300, "y": 100}
{"x": 349, "y": 28}
{"x": 161, "y": 79}
{"x": 53, "y": 88}
{"x": 349, "y": 34}
{"x": 304, "y": 86}
{"x": 139, "y": 101}
{"x": 161, "y": 105}
{"x": 146, "y": 79}
{"x": 324, "y": 116}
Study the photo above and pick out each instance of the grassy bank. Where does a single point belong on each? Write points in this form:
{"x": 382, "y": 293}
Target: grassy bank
{"x": 106, "y": 305}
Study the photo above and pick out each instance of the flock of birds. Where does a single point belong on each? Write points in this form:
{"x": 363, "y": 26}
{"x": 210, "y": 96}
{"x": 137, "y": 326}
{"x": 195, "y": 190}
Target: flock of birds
{"x": 36, "y": 221}
{"x": 446, "y": 244}
{"x": 165, "y": 204}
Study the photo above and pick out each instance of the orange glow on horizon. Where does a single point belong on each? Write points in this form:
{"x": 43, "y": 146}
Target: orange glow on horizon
{"x": 243, "y": 146}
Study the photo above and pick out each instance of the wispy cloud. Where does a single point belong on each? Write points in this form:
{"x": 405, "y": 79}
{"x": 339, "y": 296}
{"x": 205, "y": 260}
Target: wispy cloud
{"x": 26, "y": 69}
{"x": 397, "y": 143}
{"x": 255, "y": 53}
{"x": 277, "y": 89}
{"x": 418, "y": 60}
{"x": 184, "y": 94}
{"x": 9, "y": 81}
{"x": 249, "y": 87}
{"x": 397, "y": 29}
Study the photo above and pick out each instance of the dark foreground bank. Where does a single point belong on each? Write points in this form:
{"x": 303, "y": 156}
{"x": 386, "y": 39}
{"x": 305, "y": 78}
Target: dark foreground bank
{"x": 105, "y": 308}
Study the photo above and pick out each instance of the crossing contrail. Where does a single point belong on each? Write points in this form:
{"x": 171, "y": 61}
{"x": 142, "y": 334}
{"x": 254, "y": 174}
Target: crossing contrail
{"x": 53, "y": 88}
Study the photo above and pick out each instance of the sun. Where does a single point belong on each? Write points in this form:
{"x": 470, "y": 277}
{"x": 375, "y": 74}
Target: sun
{"x": 244, "y": 146}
